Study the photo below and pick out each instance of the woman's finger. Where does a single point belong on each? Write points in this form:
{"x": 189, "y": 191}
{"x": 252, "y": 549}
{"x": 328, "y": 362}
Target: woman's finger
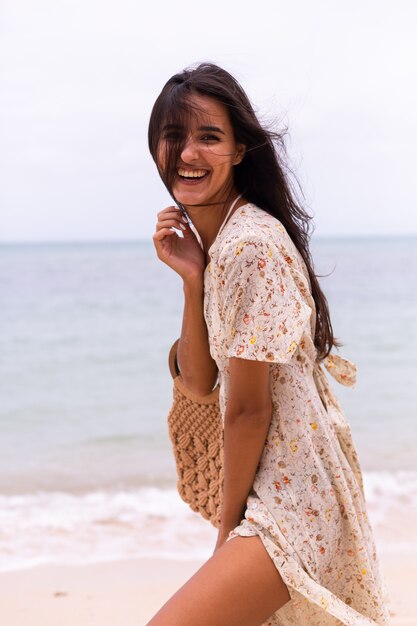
{"x": 173, "y": 222}
{"x": 170, "y": 212}
{"x": 160, "y": 234}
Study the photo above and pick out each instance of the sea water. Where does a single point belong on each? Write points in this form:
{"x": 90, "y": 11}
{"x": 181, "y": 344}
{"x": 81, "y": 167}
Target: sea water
{"x": 86, "y": 466}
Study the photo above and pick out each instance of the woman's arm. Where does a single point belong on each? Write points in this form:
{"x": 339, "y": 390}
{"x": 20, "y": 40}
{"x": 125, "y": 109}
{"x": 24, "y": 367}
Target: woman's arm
{"x": 186, "y": 257}
{"x": 247, "y": 420}
{"x": 198, "y": 368}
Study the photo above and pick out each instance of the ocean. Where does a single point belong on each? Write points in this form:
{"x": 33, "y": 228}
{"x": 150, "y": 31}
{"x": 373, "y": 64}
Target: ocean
{"x": 86, "y": 466}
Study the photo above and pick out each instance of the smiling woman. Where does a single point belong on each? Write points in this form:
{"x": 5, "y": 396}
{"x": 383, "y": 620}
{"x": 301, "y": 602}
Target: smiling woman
{"x": 294, "y": 545}
{"x": 196, "y": 160}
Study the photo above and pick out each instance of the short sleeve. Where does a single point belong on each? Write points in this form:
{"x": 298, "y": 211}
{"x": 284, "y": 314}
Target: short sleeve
{"x": 264, "y": 311}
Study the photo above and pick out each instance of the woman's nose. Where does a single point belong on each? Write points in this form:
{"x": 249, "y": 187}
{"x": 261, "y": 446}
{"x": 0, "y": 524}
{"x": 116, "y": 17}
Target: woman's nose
{"x": 189, "y": 151}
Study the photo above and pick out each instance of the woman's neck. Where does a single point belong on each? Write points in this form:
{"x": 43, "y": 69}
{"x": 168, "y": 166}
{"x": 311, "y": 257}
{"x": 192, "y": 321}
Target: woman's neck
{"x": 208, "y": 219}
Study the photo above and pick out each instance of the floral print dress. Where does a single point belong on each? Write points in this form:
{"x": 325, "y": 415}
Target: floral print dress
{"x": 307, "y": 502}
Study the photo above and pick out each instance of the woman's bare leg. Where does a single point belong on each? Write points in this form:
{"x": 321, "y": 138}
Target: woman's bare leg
{"x": 238, "y": 586}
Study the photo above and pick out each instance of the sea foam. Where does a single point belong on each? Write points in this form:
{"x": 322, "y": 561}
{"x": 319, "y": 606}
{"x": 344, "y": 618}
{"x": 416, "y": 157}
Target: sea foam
{"x": 64, "y": 528}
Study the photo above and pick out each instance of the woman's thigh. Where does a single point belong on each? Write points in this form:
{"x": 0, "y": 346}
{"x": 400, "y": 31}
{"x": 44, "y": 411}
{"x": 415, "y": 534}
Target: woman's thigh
{"x": 238, "y": 586}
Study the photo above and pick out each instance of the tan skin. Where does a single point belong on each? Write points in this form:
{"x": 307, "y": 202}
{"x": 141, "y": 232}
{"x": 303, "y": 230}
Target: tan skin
{"x": 239, "y": 585}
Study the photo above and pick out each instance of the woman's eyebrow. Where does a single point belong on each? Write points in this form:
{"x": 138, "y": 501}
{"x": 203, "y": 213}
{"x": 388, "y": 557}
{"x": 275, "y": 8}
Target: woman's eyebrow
{"x": 215, "y": 129}
{"x": 172, "y": 127}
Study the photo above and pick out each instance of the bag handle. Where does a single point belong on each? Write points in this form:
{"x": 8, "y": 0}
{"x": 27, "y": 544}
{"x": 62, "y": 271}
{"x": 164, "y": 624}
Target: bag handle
{"x": 172, "y": 360}
{"x": 176, "y": 375}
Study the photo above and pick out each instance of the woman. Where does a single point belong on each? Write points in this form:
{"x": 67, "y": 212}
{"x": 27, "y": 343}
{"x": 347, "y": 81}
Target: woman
{"x": 295, "y": 544}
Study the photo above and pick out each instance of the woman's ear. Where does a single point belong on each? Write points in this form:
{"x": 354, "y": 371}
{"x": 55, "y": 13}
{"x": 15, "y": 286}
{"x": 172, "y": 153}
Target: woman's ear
{"x": 240, "y": 153}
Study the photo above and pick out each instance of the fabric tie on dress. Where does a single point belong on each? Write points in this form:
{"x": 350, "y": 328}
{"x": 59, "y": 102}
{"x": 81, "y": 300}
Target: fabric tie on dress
{"x": 342, "y": 370}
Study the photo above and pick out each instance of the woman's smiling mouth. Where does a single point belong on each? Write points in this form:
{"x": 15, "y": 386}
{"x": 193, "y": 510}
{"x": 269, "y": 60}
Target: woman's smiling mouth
{"x": 191, "y": 176}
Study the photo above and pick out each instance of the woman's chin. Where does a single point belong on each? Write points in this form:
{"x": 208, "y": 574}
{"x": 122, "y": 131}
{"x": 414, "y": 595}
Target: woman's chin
{"x": 189, "y": 197}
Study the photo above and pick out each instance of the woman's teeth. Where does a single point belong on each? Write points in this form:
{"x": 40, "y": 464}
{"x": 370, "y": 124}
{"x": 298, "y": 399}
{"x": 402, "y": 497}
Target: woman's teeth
{"x": 191, "y": 173}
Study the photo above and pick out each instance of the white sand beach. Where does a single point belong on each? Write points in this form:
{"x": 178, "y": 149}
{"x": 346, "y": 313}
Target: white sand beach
{"x": 128, "y": 593}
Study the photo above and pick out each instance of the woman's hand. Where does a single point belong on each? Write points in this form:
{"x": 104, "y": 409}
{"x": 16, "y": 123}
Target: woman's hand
{"x": 183, "y": 254}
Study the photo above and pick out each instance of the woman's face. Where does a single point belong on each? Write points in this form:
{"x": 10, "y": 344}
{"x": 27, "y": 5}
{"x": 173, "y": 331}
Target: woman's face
{"x": 204, "y": 168}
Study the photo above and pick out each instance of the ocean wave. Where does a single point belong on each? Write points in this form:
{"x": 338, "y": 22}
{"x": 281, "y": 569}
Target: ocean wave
{"x": 389, "y": 492}
{"x": 65, "y": 528}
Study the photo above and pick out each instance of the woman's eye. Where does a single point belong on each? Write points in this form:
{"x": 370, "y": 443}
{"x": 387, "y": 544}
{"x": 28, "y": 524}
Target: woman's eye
{"x": 209, "y": 138}
{"x": 172, "y": 136}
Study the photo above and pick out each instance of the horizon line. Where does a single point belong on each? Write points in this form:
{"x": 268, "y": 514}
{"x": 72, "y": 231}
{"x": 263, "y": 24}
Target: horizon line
{"x": 92, "y": 241}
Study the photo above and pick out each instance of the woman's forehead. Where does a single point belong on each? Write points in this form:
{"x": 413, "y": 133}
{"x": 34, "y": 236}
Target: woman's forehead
{"x": 198, "y": 111}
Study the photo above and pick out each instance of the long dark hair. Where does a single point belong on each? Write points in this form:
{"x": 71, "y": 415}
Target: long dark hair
{"x": 262, "y": 177}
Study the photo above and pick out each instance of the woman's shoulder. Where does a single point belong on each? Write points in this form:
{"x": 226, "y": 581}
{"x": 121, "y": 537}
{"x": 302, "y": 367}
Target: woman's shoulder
{"x": 252, "y": 226}
{"x": 251, "y": 216}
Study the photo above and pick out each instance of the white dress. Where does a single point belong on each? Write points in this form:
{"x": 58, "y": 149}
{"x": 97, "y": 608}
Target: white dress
{"x": 307, "y": 502}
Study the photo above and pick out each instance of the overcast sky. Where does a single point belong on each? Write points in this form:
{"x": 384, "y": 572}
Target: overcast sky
{"x": 78, "y": 79}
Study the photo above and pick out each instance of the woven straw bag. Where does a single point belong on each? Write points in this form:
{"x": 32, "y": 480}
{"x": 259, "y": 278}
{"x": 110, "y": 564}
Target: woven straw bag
{"x": 196, "y": 432}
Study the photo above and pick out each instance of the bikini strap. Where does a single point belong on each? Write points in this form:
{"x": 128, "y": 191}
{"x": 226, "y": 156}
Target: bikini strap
{"x": 232, "y": 206}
